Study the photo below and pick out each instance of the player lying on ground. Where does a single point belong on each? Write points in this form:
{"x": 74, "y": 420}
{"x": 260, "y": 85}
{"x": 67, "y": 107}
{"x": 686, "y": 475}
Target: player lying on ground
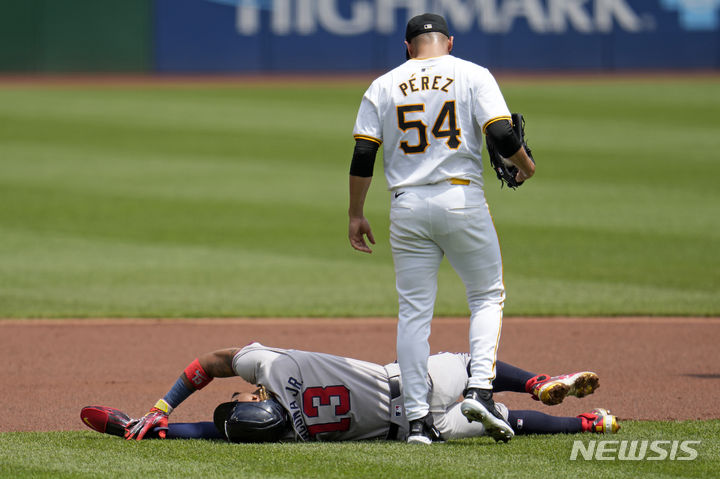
{"x": 316, "y": 396}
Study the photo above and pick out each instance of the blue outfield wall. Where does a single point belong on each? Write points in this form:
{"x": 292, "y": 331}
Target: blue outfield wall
{"x": 367, "y": 35}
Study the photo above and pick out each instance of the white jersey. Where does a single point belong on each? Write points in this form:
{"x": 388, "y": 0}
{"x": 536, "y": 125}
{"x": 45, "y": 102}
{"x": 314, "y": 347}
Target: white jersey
{"x": 431, "y": 115}
{"x": 332, "y": 398}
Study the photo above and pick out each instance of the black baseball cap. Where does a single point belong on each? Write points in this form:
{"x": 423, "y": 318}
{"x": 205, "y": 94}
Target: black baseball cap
{"x": 426, "y": 23}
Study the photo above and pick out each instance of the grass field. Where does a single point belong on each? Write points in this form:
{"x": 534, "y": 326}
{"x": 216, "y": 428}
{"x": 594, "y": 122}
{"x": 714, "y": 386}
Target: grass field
{"x": 232, "y": 200}
{"x": 88, "y": 454}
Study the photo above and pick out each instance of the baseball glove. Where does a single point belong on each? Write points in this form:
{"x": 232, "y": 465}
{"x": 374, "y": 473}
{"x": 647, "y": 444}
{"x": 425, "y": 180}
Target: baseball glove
{"x": 504, "y": 169}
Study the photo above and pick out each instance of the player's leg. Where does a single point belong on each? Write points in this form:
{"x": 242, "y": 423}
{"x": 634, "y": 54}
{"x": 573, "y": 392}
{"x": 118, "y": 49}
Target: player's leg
{"x": 534, "y": 422}
{"x": 550, "y": 390}
{"x": 470, "y": 244}
{"x": 416, "y": 283}
{"x": 416, "y": 260}
{"x": 448, "y": 375}
{"x": 508, "y": 378}
{"x": 193, "y": 430}
{"x": 453, "y": 424}
{"x": 112, "y": 421}
{"x": 511, "y": 378}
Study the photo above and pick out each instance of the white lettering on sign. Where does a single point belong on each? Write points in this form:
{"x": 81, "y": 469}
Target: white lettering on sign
{"x": 625, "y": 450}
{"x": 305, "y": 17}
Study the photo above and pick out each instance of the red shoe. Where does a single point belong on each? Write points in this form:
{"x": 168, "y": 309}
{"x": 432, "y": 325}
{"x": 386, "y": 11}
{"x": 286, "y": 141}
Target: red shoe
{"x": 552, "y": 390}
{"x": 599, "y": 420}
{"x": 107, "y": 420}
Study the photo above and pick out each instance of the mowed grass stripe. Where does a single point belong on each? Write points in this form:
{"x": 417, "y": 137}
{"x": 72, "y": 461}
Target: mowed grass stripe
{"x": 232, "y": 201}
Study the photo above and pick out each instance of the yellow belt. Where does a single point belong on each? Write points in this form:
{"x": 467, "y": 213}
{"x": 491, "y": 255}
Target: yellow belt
{"x": 459, "y": 181}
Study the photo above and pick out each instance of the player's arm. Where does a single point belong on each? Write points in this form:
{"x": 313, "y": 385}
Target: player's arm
{"x": 218, "y": 364}
{"x": 197, "y": 375}
{"x": 511, "y": 148}
{"x": 361, "y": 171}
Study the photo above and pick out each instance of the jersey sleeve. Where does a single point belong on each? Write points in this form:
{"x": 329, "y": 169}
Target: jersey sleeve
{"x": 368, "y": 125}
{"x": 251, "y": 362}
{"x": 489, "y": 103}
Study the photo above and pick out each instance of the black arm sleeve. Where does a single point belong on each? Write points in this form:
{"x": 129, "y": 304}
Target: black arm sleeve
{"x": 503, "y": 138}
{"x": 363, "y": 160}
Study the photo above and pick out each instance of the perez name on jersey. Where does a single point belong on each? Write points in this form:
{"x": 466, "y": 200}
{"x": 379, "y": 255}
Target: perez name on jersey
{"x": 424, "y": 83}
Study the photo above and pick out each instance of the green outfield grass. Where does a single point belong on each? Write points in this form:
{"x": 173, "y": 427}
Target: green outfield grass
{"x": 88, "y": 454}
{"x": 232, "y": 200}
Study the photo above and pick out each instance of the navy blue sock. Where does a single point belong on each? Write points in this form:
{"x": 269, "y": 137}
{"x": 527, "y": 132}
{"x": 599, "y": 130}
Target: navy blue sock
{"x": 193, "y": 430}
{"x": 534, "y": 422}
{"x": 510, "y": 378}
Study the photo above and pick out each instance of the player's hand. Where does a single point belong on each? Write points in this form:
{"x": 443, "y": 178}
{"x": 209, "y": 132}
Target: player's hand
{"x": 153, "y": 419}
{"x": 357, "y": 230}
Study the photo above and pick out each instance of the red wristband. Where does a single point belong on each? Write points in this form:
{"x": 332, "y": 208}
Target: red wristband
{"x": 197, "y": 375}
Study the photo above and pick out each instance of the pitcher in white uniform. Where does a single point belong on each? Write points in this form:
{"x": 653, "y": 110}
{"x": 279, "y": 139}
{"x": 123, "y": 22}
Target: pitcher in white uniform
{"x": 430, "y": 114}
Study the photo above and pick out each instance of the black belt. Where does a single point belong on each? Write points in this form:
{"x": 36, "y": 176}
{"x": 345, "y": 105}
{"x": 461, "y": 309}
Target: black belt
{"x": 394, "y": 382}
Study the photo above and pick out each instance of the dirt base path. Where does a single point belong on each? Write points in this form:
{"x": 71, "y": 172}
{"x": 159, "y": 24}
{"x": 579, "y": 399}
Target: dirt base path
{"x": 650, "y": 368}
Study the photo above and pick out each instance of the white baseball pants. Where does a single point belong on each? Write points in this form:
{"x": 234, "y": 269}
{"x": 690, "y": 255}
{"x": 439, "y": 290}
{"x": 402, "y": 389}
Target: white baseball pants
{"x": 447, "y": 377}
{"x": 426, "y": 223}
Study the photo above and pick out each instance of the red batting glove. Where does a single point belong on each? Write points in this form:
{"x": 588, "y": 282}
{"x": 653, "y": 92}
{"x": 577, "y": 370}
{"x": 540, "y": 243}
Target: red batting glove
{"x": 156, "y": 418}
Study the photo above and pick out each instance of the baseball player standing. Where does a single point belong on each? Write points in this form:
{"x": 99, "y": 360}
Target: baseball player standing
{"x": 431, "y": 113}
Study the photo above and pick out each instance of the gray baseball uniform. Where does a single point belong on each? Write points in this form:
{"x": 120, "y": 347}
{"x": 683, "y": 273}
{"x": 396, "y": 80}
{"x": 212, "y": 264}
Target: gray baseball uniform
{"x": 332, "y": 398}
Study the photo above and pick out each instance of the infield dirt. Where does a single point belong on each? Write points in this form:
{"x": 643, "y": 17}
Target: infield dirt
{"x": 650, "y": 368}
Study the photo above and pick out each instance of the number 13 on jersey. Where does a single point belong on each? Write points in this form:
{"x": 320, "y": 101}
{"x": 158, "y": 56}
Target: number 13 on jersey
{"x": 445, "y": 126}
